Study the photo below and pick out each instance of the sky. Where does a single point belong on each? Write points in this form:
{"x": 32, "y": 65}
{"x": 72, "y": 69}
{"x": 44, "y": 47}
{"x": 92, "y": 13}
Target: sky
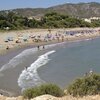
{"x": 13, "y": 4}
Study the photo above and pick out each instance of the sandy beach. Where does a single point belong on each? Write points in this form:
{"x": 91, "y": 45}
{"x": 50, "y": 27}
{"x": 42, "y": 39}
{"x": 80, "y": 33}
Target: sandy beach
{"x": 35, "y": 37}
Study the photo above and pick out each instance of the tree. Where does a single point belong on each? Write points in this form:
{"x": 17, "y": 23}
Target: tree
{"x": 88, "y": 85}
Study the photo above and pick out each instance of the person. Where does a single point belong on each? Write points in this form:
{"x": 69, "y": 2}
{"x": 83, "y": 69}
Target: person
{"x": 62, "y": 38}
{"x": 7, "y": 47}
{"x": 43, "y": 47}
{"x": 58, "y": 38}
{"x": 38, "y": 47}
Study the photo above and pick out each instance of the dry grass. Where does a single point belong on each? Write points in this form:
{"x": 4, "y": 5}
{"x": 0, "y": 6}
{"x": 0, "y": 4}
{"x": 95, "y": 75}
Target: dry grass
{"x": 49, "y": 97}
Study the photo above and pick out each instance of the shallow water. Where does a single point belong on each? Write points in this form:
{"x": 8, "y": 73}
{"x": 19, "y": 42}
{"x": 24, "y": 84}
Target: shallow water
{"x": 60, "y": 64}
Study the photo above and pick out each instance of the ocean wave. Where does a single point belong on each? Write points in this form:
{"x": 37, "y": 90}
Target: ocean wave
{"x": 29, "y": 77}
{"x": 18, "y": 59}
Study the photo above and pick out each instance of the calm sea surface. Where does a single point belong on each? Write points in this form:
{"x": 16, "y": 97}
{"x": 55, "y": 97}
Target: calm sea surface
{"x": 71, "y": 61}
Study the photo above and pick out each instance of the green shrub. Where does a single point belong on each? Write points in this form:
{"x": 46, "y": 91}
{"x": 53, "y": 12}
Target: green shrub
{"x": 30, "y": 93}
{"x": 43, "y": 89}
{"x": 51, "y": 89}
{"x": 88, "y": 85}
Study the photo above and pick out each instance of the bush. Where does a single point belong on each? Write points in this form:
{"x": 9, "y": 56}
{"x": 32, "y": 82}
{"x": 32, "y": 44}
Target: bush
{"x": 88, "y": 85}
{"x": 43, "y": 89}
{"x": 30, "y": 93}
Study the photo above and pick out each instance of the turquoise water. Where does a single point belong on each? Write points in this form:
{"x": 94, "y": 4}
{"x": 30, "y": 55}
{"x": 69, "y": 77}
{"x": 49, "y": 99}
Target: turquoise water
{"x": 71, "y": 61}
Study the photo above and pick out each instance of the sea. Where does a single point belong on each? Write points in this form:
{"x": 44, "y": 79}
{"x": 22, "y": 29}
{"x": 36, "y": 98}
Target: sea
{"x": 59, "y": 63}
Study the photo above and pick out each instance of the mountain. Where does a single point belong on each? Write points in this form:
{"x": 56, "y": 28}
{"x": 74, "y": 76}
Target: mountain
{"x": 82, "y": 10}
{"x": 79, "y": 10}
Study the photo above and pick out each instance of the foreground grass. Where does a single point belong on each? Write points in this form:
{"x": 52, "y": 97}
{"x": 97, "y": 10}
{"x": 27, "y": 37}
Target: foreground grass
{"x": 49, "y": 97}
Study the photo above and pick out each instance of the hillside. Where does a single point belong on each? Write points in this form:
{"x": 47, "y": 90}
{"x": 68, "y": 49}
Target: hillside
{"x": 77, "y": 10}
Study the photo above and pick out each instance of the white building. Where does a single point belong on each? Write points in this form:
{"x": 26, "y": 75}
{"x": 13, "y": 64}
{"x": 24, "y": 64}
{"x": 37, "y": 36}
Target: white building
{"x": 90, "y": 19}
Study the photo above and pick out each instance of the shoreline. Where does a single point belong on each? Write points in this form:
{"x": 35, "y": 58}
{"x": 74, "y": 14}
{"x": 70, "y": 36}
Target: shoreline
{"x": 67, "y": 38}
{"x": 24, "y": 46}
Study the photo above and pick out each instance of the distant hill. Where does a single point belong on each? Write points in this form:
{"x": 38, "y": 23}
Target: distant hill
{"x": 82, "y": 10}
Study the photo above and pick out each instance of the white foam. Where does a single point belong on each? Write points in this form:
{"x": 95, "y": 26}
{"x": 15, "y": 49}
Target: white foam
{"x": 18, "y": 59}
{"x": 29, "y": 77}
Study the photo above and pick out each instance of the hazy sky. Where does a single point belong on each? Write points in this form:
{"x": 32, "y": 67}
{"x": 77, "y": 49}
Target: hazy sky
{"x": 11, "y": 4}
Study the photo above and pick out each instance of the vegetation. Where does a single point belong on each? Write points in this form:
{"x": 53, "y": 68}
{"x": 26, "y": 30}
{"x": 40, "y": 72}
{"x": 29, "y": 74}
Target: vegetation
{"x": 43, "y": 89}
{"x": 96, "y": 23}
{"x": 13, "y": 21}
{"x": 88, "y": 85}
{"x": 55, "y": 20}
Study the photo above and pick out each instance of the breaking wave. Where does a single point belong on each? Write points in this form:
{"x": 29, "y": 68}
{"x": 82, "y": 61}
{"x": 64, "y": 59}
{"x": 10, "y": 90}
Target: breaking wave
{"x": 18, "y": 59}
{"x": 29, "y": 77}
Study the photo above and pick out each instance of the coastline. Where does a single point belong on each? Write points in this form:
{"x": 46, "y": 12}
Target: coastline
{"x": 35, "y": 32}
{"x": 24, "y": 46}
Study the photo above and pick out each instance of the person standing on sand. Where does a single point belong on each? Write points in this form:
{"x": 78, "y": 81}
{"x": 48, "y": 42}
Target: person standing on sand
{"x": 7, "y": 47}
{"x": 62, "y": 38}
{"x": 58, "y": 38}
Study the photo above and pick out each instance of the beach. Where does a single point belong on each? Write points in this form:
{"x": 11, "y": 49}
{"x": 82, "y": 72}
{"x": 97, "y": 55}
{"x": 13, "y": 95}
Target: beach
{"x": 8, "y": 40}
{"x": 6, "y": 83}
